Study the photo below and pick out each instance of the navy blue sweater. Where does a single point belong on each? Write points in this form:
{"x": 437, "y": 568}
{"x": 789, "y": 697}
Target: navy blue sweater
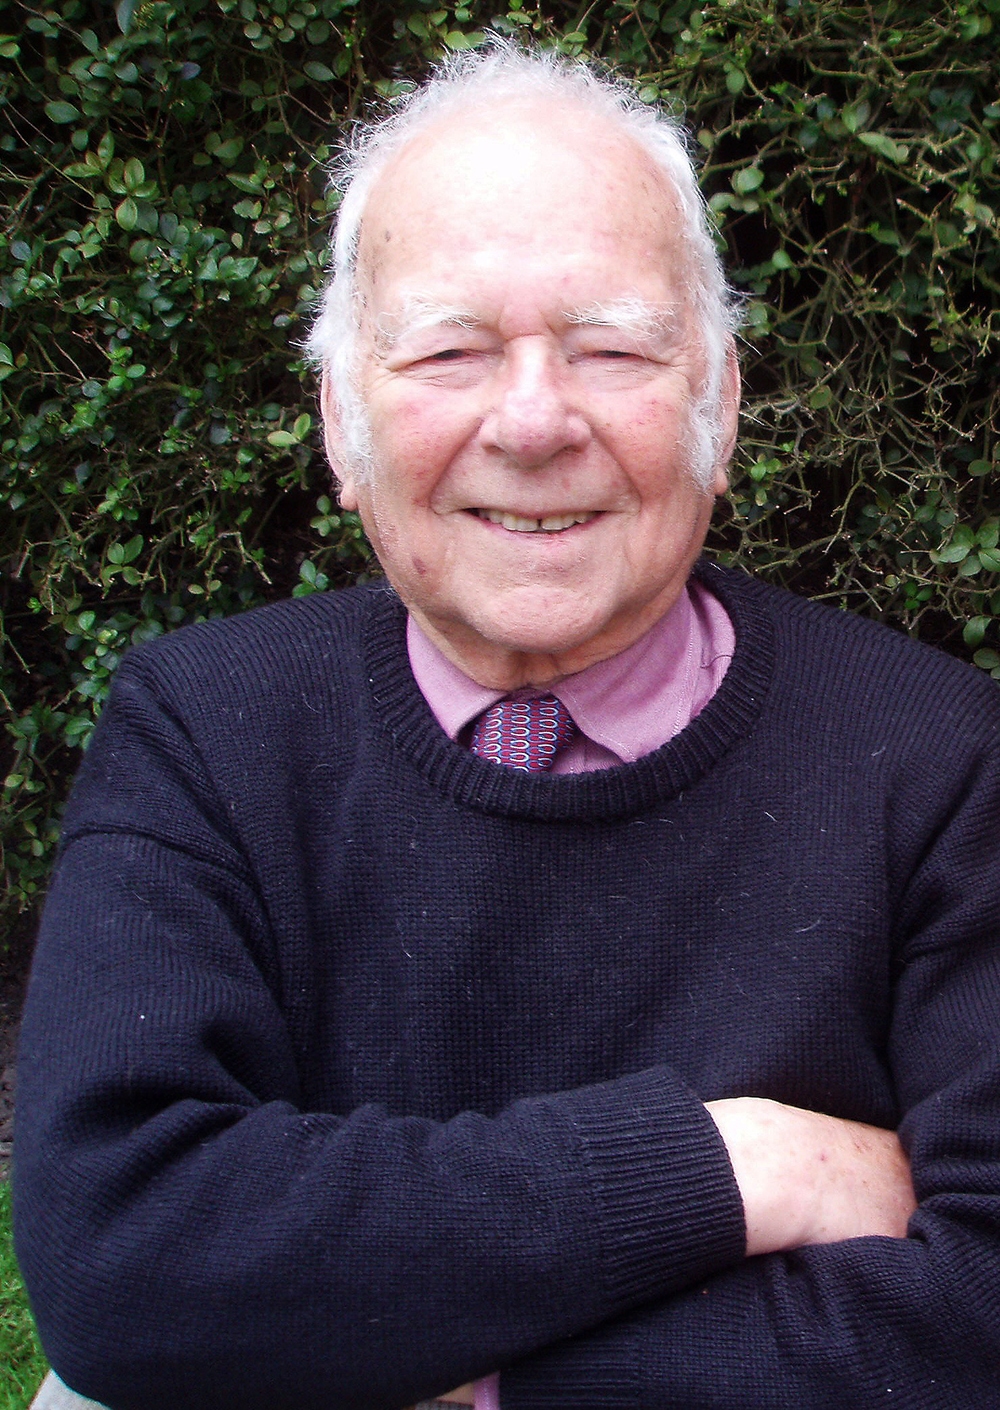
{"x": 355, "y": 1067}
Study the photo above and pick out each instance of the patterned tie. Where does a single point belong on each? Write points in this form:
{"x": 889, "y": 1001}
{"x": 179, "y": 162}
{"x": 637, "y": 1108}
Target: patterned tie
{"x": 523, "y": 734}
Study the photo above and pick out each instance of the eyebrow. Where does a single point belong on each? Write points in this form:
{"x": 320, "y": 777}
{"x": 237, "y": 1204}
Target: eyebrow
{"x": 418, "y": 313}
{"x": 631, "y": 315}
{"x": 637, "y": 317}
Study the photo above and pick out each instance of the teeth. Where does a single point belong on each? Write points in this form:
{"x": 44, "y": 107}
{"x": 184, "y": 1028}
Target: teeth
{"x": 551, "y": 524}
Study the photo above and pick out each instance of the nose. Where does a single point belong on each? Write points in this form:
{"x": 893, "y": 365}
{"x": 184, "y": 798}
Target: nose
{"x": 532, "y": 417}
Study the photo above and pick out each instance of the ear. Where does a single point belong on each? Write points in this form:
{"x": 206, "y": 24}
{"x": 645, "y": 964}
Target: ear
{"x": 729, "y": 417}
{"x": 333, "y": 439}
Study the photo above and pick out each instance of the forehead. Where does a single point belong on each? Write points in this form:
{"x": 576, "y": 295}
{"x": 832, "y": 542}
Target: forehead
{"x": 537, "y": 190}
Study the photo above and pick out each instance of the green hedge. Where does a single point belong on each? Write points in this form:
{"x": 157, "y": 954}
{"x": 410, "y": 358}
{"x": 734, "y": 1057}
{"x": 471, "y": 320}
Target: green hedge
{"x": 22, "y": 1362}
{"x": 167, "y": 213}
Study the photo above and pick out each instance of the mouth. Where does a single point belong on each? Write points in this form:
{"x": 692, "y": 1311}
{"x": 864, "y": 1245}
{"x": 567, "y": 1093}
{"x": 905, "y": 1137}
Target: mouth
{"x": 518, "y": 524}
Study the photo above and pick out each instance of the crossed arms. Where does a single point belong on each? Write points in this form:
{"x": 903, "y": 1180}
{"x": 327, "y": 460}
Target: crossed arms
{"x": 805, "y": 1178}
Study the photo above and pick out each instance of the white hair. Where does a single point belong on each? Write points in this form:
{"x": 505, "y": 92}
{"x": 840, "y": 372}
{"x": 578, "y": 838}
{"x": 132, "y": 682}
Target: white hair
{"x": 499, "y": 72}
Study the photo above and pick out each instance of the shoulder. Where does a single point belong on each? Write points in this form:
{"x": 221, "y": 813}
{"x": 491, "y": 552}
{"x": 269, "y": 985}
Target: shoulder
{"x": 282, "y": 642}
{"x": 290, "y": 624}
{"x": 267, "y": 678}
{"x": 233, "y": 709}
{"x": 847, "y": 671}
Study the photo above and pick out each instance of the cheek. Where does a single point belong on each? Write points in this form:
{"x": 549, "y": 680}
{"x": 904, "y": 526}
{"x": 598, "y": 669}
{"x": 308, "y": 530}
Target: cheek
{"x": 646, "y": 435}
{"x": 656, "y": 444}
{"x": 415, "y": 437}
{"x": 657, "y": 419}
{"x": 394, "y": 532}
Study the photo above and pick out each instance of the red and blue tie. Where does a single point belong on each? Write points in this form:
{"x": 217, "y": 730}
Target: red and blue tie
{"x": 523, "y": 734}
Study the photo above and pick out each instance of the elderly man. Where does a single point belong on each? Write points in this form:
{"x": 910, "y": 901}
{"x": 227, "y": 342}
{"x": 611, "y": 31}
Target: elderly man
{"x": 518, "y": 977}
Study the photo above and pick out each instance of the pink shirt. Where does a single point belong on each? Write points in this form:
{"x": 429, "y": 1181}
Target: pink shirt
{"x": 624, "y": 707}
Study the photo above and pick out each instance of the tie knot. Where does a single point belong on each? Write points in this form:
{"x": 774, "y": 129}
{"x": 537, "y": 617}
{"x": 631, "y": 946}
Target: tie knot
{"x": 523, "y": 734}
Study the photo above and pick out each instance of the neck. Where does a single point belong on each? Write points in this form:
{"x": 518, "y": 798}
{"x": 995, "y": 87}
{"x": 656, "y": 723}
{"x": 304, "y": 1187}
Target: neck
{"x": 497, "y": 666}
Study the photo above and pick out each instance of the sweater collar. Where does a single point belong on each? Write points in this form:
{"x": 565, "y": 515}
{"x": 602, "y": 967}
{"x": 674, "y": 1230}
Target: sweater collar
{"x": 405, "y": 716}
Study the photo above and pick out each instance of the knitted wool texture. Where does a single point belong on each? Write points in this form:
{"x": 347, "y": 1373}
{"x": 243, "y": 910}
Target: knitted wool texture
{"x": 355, "y": 1067}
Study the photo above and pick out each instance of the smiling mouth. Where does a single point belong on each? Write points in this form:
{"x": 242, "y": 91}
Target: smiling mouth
{"x": 516, "y": 523}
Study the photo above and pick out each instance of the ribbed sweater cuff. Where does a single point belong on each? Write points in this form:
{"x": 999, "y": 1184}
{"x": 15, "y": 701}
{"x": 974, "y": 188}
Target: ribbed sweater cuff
{"x": 668, "y": 1213}
{"x": 669, "y": 1209}
{"x": 563, "y": 1380}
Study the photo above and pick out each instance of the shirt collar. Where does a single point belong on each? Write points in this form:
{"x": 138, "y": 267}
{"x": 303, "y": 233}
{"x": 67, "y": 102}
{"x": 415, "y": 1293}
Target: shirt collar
{"x": 629, "y": 704}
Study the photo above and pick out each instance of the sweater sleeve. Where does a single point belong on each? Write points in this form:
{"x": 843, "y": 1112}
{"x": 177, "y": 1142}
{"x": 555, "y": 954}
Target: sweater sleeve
{"x": 909, "y": 1322}
{"x": 191, "y": 1235}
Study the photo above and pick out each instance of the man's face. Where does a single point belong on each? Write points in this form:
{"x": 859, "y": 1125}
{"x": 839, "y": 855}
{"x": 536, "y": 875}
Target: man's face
{"x": 530, "y": 362}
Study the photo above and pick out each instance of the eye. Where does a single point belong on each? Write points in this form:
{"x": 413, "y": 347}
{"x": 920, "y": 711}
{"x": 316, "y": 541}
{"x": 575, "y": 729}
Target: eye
{"x": 448, "y": 354}
{"x": 596, "y": 351}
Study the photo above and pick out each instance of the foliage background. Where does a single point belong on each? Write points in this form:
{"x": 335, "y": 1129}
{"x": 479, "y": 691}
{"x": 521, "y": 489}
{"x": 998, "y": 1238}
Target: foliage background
{"x": 22, "y": 1363}
{"x": 165, "y": 217}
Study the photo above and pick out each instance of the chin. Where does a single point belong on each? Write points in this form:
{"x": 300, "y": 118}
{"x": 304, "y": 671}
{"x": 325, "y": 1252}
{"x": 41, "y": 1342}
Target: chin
{"x": 541, "y": 657}
{"x": 548, "y": 637}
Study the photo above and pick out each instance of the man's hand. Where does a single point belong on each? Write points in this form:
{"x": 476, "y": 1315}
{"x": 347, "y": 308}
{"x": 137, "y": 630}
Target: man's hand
{"x": 806, "y": 1178}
